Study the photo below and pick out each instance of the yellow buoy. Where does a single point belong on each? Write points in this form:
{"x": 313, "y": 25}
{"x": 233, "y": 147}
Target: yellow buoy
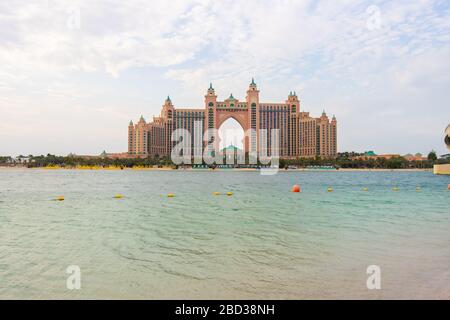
{"x": 216, "y": 193}
{"x": 418, "y": 189}
{"x": 170, "y": 195}
{"x": 365, "y": 189}
{"x": 118, "y": 196}
{"x": 229, "y": 193}
{"x": 60, "y": 198}
{"x": 395, "y": 189}
{"x": 330, "y": 189}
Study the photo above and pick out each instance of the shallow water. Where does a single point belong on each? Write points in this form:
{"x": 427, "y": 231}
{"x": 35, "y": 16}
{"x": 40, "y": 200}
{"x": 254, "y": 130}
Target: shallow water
{"x": 262, "y": 242}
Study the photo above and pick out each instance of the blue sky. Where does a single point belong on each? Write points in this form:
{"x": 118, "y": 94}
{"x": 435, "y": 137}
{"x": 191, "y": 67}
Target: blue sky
{"x": 73, "y": 73}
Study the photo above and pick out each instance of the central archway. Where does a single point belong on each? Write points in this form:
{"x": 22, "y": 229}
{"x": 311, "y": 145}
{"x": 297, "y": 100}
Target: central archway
{"x": 231, "y": 134}
{"x": 239, "y": 119}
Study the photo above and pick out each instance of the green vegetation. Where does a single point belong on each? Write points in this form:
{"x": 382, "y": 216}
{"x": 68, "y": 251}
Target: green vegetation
{"x": 432, "y": 156}
{"x": 344, "y": 160}
{"x": 4, "y": 160}
{"x": 348, "y": 160}
{"x": 74, "y": 161}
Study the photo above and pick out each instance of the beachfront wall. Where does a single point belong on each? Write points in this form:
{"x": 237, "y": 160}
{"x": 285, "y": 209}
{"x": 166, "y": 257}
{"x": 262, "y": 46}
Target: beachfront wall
{"x": 441, "y": 169}
{"x": 300, "y": 135}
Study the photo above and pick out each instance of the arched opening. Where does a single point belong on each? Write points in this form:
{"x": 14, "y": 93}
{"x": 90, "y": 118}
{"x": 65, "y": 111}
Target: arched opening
{"x": 231, "y": 134}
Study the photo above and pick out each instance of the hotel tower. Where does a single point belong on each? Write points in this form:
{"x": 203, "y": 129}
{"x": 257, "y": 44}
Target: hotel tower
{"x": 300, "y": 135}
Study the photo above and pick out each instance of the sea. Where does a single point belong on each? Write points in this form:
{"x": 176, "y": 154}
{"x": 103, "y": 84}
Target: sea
{"x": 260, "y": 242}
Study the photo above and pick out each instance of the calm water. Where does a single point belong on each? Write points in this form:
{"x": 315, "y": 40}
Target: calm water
{"x": 262, "y": 242}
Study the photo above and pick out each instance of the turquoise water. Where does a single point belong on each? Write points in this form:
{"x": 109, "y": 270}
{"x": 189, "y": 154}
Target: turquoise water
{"x": 262, "y": 242}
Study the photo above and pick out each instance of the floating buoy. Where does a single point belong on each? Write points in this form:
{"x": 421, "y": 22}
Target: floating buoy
{"x": 330, "y": 189}
{"x": 170, "y": 195}
{"x": 229, "y": 193}
{"x": 418, "y": 189}
{"x": 365, "y": 189}
{"x": 216, "y": 193}
{"x": 118, "y": 196}
{"x": 448, "y": 187}
{"x": 296, "y": 188}
{"x": 395, "y": 189}
{"x": 60, "y": 198}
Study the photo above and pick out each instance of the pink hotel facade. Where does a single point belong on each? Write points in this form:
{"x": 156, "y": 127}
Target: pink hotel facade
{"x": 300, "y": 134}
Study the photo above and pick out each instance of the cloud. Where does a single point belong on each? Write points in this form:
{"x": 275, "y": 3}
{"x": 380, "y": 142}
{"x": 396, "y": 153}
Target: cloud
{"x": 102, "y": 35}
{"x": 354, "y": 58}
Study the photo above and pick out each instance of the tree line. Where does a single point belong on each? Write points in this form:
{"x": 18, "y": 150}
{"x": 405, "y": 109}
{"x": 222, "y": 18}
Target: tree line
{"x": 343, "y": 160}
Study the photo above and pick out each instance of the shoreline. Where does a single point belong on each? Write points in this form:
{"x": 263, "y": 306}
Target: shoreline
{"x": 6, "y": 168}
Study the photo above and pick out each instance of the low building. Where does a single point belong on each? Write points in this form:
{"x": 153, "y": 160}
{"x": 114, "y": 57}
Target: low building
{"x": 416, "y": 157}
{"x": 379, "y": 156}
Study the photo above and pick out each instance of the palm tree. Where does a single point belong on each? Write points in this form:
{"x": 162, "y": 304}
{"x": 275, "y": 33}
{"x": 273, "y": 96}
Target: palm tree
{"x": 432, "y": 156}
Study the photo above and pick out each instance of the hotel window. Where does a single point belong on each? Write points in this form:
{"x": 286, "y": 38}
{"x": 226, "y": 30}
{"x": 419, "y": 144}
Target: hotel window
{"x": 253, "y": 115}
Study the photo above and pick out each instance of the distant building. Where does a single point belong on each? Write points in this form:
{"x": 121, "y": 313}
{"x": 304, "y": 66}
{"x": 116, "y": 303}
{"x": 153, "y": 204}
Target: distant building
{"x": 369, "y": 154}
{"x": 416, "y": 157}
{"x": 375, "y": 156}
{"x": 230, "y": 148}
{"x": 22, "y": 159}
{"x": 372, "y": 155}
{"x": 300, "y": 134}
{"x": 121, "y": 155}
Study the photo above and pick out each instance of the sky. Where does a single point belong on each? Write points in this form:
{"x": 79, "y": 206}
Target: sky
{"x": 74, "y": 73}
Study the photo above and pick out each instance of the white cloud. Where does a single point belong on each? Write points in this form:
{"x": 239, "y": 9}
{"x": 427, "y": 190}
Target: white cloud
{"x": 322, "y": 49}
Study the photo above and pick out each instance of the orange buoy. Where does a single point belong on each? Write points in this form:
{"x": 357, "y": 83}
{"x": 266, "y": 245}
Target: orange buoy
{"x": 296, "y": 188}
{"x": 448, "y": 187}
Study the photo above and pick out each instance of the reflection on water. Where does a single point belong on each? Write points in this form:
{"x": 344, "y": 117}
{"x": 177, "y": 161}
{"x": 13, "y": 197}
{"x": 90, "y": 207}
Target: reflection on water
{"x": 262, "y": 242}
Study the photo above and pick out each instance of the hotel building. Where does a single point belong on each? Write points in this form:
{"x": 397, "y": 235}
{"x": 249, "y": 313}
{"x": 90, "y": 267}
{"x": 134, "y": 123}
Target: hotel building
{"x": 300, "y": 135}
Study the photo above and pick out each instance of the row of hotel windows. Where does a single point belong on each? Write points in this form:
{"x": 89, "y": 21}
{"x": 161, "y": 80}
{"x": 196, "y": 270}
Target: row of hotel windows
{"x": 278, "y": 108}
{"x": 274, "y": 120}
{"x": 261, "y": 108}
{"x": 305, "y": 149}
{"x": 231, "y": 105}
{"x": 199, "y": 114}
{"x": 270, "y": 108}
